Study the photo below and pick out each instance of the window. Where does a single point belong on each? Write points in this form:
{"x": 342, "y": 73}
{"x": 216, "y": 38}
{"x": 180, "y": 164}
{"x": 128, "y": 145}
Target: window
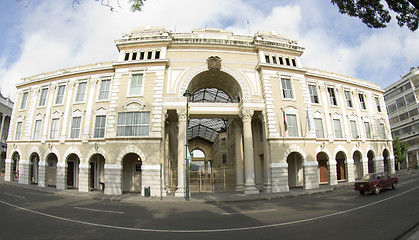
{"x": 281, "y": 61}
{"x": 81, "y": 92}
{"x": 142, "y": 55}
{"x": 294, "y": 63}
{"x": 382, "y": 131}
{"x": 338, "y": 128}
{"x": 104, "y": 90}
{"x": 136, "y": 86}
{"x": 332, "y": 97}
{"x": 377, "y": 102}
{"x": 43, "y": 97}
{"x": 274, "y": 60}
{"x": 54, "y": 128}
{"x": 400, "y": 102}
{"x": 24, "y": 100}
{"x": 267, "y": 59}
{"x": 318, "y": 125}
{"x": 100, "y": 127}
{"x": 126, "y": 56}
{"x": 60, "y": 94}
{"x": 313, "y": 93}
{"x": 410, "y": 98}
{"x": 287, "y": 60}
{"x": 348, "y": 99}
{"x": 18, "y": 131}
{"x": 134, "y": 56}
{"x": 286, "y": 88}
{"x": 362, "y": 101}
{"x": 292, "y": 126}
{"x": 75, "y": 127}
{"x": 224, "y": 158}
{"x": 223, "y": 142}
{"x": 354, "y": 129}
{"x": 392, "y": 108}
{"x": 367, "y": 130}
{"x": 133, "y": 124}
{"x": 149, "y": 54}
{"x": 37, "y": 129}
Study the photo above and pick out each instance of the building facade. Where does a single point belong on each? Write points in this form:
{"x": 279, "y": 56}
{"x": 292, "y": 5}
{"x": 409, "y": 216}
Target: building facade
{"x": 6, "y": 106}
{"x": 402, "y": 106}
{"x": 260, "y": 117}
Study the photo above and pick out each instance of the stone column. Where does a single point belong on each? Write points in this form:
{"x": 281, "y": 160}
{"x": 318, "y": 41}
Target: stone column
{"x": 379, "y": 164}
{"x": 84, "y": 177}
{"x": 279, "y": 174}
{"x": 166, "y": 168}
{"x": 3, "y": 118}
{"x": 61, "y": 182}
{"x": 333, "y": 178}
{"x": 24, "y": 172}
{"x": 113, "y": 179}
{"x": 350, "y": 170}
{"x": 267, "y": 187}
{"x": 238, "y": 144}
{"x": 249, "y": 163}
{"x": 42, "y": 174}
{"x": 181, "y": 163}
{"x": 311, "y": 174}
{"x": 8, "y": 175}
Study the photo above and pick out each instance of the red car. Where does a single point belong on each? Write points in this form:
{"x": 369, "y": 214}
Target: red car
{"x": 375, "y": 182}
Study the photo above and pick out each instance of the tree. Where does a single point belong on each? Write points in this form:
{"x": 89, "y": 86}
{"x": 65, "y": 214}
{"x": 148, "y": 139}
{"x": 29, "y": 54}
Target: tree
{"x": 399, "y": 150}
{"x": 376, "y": 14}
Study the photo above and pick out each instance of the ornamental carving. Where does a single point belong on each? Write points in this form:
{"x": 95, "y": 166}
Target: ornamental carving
{"x": 214, "y": 63}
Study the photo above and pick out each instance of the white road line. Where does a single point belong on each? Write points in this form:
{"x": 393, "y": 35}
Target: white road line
{"x": 209, "y": 230}
{"x": 14, "y": 195}
{"x": 258, "y": 211}
{"x": 98, "y": 210}
{"x": 349, "y": 197}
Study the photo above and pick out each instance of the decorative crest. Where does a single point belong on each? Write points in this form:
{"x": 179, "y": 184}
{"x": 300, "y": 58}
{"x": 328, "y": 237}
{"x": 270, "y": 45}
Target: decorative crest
{"x": 214, "y": 63}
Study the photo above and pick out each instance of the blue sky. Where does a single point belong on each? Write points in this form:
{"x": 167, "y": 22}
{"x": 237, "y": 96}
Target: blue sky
{"x": 52, "y": 35}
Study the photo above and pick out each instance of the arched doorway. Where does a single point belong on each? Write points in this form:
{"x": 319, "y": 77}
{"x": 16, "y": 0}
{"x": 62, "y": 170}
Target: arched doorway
{"x": 340, "y": 166}
{"x": 358, "y": 170}
{"x": 15, "y": 166}
{"x": 131, "y": 173}
{"x": 322, "y": 160}
{"x": 370, "y": 156}
{"x": 34, "y": 168}
{"x": 2, "y": 163}
{"x": 97, "y": 172}
{"x": 387, "y": 164}
{"x": 73, "y": 162}
{"x": 295, "y": 170}
{"x": 51, "y": 170}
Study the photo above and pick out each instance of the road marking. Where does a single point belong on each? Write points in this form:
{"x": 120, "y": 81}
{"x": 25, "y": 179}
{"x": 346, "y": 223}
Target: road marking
{"x": 349, "y": 197}
{"x": 208, "y": 230}
{"x": 14, "y": 195}
{"x": 258, "y": 211}
{"x": 98, "y": 210}
{"x": 407, "y": 182}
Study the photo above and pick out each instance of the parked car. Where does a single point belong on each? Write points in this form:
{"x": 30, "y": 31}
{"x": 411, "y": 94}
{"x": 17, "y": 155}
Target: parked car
{"x": 375, "y": 182}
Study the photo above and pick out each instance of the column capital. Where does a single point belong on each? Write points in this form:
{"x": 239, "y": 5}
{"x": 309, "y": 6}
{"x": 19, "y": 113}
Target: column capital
{"x": 246, "y": 115}
{"x": 181, "y": 114}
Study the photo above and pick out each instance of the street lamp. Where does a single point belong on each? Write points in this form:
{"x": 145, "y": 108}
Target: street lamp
{"x": 187, "y": 94}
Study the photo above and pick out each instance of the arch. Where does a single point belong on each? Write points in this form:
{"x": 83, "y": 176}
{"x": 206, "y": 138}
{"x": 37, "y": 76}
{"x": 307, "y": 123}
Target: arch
{"x": 133, "y": 105}
{"x": 96, "y": 170}
{"x": 73, "y": 168}
{"x": 34, "y": 159}
{"x": 242, "y": 89}
{"x": 131, "y": 172}
{"x": 358, "y": 164}
{"x": 386, "y": 160}
{"x": 51, "y": 169}
{"x": 15, "y": 158}
{"x": 371, "y": 156}
{"x": 323, "y": 167}
{"x": 130, "y": 149}
{"x": 36, "y": 150}
{"x": 72, "y": 150}
{"x": 295, "y": 169}
{"x": 293, "y": 148}
{"x": 95, "y": 150}
{"x": 341, "y": 169}
{"x": 340, "y": 148}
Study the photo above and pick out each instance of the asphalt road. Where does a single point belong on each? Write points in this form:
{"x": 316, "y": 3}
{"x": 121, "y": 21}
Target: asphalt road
{"x": 341, "y": 214}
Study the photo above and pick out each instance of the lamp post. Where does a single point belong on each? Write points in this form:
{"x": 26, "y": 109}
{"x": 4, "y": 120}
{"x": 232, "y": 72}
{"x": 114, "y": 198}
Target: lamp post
{"x": 187, "y": 94}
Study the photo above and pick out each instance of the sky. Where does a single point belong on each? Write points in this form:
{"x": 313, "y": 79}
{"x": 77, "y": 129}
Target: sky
{"x": 38, "y": 36}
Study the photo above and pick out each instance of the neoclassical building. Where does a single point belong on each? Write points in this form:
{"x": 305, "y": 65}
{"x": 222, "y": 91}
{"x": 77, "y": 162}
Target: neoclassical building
{"x": 263, "y": 122}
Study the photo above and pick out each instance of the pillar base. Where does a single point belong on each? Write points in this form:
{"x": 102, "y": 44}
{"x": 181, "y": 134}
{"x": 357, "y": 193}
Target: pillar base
{"x": 239, "y": 188}
{"x": 180, "y": 192}
{"x": 250, "y": 190}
